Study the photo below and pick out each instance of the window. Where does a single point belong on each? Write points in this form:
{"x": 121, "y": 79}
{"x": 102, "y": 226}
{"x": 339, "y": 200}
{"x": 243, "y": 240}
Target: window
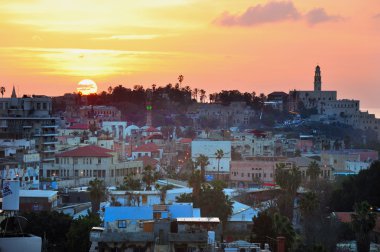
{"x": 242, "y": 174}
{"x": 75, "y": 160}
{"x": 99, "y": 160}
{"x": 122, "y": 224}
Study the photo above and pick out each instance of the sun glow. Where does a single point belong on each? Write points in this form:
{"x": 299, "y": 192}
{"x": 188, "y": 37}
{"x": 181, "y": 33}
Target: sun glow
{"x": 87, "y": 87}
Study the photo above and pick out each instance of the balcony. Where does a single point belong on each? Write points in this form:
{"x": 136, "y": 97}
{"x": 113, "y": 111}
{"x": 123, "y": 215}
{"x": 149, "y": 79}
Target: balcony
{"x": 188, "y": 237}
{"x": 120, "y": 236}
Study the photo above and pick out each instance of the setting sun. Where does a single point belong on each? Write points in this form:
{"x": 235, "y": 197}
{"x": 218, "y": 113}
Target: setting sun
{"x": 87, "y": 87}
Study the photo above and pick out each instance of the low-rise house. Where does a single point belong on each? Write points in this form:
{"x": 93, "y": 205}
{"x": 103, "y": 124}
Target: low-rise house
{"x": 303, "y": 164}
{"x": 151, "y": 150}
{"x": 337, "y": 159}
{"x": 38, "y": 200}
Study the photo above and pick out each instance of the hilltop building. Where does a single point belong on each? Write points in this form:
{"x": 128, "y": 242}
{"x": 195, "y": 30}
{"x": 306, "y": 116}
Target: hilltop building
{"x": 328, "y": 107}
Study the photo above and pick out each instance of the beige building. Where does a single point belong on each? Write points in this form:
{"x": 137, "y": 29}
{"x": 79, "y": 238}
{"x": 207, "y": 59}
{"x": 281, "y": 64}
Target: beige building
{"x": 250, "y": 173}
{"x": 93, "y": 161}
{"x": 312, "y": 99}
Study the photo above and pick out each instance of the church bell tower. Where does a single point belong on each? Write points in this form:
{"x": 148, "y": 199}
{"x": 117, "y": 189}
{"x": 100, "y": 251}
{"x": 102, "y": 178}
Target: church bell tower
{"x": 317, "y": 79}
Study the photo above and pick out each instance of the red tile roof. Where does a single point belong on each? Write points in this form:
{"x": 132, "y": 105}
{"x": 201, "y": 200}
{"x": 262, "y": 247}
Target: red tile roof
{"x": 86, "y": 151}
{"x": 149, "y": 147}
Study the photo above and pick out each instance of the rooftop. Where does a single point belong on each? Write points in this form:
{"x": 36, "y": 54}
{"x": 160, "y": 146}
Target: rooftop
{"x": 86, "y": 151}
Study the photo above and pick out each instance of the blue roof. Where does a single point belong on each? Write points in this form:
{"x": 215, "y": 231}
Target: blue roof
{"x": 181, "y": 210}
{"x": 128, "y": 213}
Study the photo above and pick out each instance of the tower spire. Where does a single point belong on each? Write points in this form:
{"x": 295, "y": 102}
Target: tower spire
{"x": 13, "y": 93}
{"x": 317, "y": 79}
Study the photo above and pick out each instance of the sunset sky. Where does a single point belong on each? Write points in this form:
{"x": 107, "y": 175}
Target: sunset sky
{"x": 48, "y": 46}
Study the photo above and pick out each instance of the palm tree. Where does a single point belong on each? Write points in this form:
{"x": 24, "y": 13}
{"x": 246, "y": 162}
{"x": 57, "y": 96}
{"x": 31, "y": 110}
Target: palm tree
{"x": 180, "y": 79}
{"x": 313, "y": 171}
{"x": 2, "y": 91}
{"x": 219, "y": 155}
{"x": 202, "y": 96}
{"x": 196, "y": 181}
{"x": 363, "y": 221}
{"x": 97, "y": 193}
{"x": 202, "y": 161}
{"x": 289, "y": 179}
{"x": 283, "y": 227}
{"x": 195, "y": 94}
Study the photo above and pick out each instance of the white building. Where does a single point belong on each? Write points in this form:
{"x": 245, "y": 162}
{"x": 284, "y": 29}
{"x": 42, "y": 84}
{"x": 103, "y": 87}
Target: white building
{"x": 209, "y": 149}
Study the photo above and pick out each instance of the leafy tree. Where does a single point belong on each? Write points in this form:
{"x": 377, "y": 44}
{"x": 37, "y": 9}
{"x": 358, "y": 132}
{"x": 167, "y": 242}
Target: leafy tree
{"x": 202, "y": 161}
{"x": 149, "y": 176}
{"x": 51, "y": 225}
{"x": 184, "y": 198}
{"x": 214, "y": 203}
{"x": 219, "y": 154}
{"x": 78, "y": 236}
{"x": 363, "y": 221}
{"x": 353, "y": 189}
{"x": 97, "y": 193}
{"x": 283, "y": 227}
{"x": 262, "y": 227}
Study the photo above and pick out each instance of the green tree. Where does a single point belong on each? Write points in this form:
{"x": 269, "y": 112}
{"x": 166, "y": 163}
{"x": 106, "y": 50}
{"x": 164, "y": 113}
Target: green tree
{"x": 184, "y": 198}
{"x": 363, "y": 221}
{"x": 149, "y": 176}
{"x": 78, "y": 236}
{"x": 51, "y": 225}
{"x": 214, "y": 203}
{"x": 196, "y": 181}
{"x": 289, "y": 179}
{"x": 283, "y": 227}
{"x": 352, "y": 189}
{"x": 97, "y": 193}
{"x": 202, "y": 161}
{"x": 262, "y": 227}
{"x": 219, "y": 154}
{"x": 313, "y": 171}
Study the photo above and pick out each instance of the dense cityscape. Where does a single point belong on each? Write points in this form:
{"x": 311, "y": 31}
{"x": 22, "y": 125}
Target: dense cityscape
{"x": 173, "y": 169}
